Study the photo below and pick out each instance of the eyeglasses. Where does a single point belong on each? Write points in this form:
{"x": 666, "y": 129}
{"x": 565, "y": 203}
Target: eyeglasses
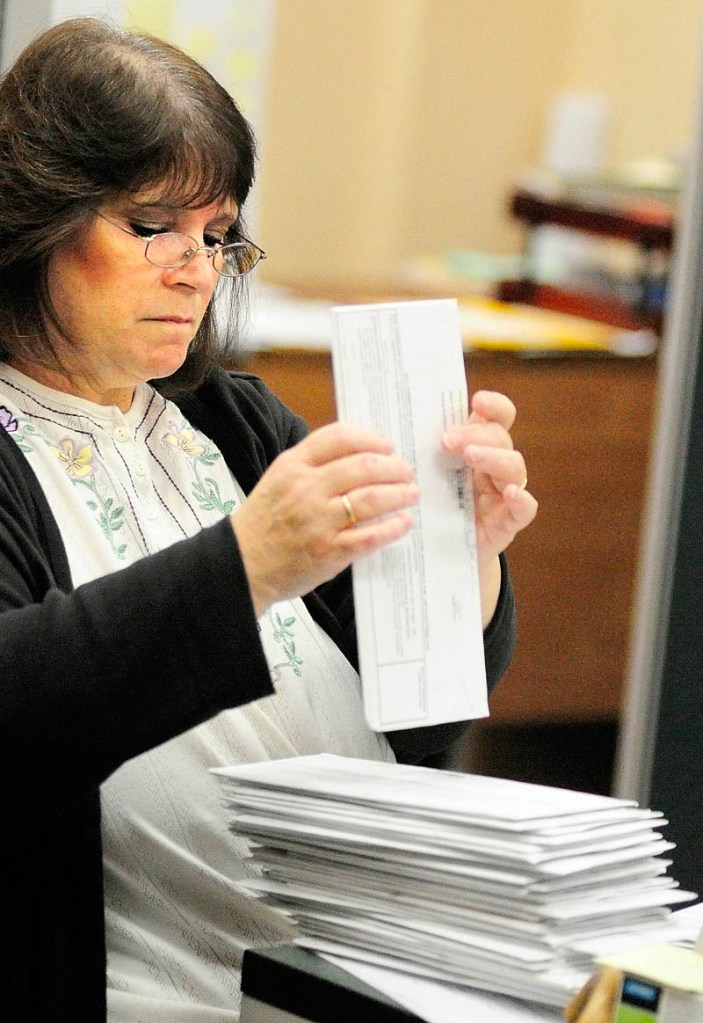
{"x": 170, "y": 249}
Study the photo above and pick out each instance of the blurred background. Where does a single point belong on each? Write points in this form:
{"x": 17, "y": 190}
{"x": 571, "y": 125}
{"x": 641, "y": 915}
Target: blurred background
{"x": 396, "y": 130}
{"x": 528, "y": 157}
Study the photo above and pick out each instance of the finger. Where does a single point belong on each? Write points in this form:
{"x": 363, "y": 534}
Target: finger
{"x": 501, "y": 517}
{"x": 367, "y": 537}
{"x": 503, "y": 467}
{"x": 487, "y": 434}
{"x": 521, "y": 506}
{"x": 338, "y": 439}
{"x": 366, "y": 469}
{"x": 368, "y": 503}
{"x": 349, "y": 512}
{"x": 494, "y": 407}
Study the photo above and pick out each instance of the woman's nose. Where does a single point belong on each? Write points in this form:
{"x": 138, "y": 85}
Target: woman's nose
{"x": 198, "y": 270}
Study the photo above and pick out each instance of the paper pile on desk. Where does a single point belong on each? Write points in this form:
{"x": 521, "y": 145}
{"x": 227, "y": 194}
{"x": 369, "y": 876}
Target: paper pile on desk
{"x": 480, "y": 881}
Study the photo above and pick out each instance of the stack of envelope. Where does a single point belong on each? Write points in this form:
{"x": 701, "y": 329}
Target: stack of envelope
{"x": 495, "y": 884}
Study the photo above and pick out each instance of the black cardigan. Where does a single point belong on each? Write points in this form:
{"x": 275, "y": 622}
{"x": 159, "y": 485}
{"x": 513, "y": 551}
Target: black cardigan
{"x": 96, "y": 675}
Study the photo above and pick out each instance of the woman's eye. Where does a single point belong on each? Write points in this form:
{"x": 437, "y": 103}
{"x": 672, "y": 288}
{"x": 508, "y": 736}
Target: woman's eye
{"x": 146, "y": 231}
{"x": 213, "y": 240}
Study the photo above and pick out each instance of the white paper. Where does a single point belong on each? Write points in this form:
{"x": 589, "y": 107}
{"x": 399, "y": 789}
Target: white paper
{"x": 419, "y": 790}
{"x": 474, "y": 881}
{"x": 399, "y": 368}
{"x": 445, "y": 1003}
{"x": 280, "y": 319}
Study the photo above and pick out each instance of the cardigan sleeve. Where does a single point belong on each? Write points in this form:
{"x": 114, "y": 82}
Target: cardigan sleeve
{"x": 92, "y": 677}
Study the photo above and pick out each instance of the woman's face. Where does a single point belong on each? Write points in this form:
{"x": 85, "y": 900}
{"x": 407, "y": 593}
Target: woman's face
{"x": 127, "y": 320}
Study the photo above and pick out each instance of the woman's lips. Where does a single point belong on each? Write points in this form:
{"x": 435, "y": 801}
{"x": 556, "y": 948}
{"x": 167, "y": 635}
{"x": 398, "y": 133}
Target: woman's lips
{"x": 171, "y": 319}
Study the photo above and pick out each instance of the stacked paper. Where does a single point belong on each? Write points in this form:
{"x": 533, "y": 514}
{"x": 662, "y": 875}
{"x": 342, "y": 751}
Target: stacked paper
{"x": 479, "y": 881}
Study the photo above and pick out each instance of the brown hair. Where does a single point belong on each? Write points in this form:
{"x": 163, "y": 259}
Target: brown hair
{"x": 89, "y": 112}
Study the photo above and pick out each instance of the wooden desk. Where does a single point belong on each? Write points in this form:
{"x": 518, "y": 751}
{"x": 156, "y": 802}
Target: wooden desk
{"x": 584, "y": 424}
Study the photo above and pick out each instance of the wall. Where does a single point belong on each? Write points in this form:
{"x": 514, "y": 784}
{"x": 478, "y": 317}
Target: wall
{"x": 644, "y": 55}
{"x": 334, "y": 178}
{"x": 231, "y": 38}
{"x": 23, "y": 19}
{"x": 394, "y": 128}
{"x": 399, "y": 126}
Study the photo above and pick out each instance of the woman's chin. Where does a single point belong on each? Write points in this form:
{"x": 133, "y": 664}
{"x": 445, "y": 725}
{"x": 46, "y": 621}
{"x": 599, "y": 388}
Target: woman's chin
{"x": 167, "y": 363}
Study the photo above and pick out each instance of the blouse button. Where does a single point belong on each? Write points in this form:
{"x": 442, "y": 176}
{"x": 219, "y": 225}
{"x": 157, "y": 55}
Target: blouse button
{"x": 121, "y": 433}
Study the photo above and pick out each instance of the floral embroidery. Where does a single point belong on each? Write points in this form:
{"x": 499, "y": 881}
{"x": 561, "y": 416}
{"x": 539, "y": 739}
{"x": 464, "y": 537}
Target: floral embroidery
{"x": 103, "y": 490}
{"x": 7, "y": 420}
{"x": 206, "y": 490}
{"x": 183, "y": 437}
{"x": 20, "y": 429}
{"x": 81, "y": 467}
{"x": 283, "y": 634}
{"x": 110, "y": 516}
{"x": 77, "y": 463}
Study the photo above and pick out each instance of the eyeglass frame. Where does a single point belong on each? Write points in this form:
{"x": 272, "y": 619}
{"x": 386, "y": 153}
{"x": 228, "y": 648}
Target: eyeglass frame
{"x": 193, "y": 251}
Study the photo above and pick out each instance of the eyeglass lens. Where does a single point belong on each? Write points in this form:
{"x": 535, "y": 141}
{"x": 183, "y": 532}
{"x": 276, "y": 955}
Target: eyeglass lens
{"x": 172, "y": 249}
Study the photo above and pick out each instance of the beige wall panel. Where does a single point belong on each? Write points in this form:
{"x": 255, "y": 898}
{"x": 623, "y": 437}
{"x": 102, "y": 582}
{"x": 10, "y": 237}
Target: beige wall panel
{"x": 399, "y": 127}
{"x": 488, "y": 70}
{"x": 333, "y": 182}
{"x": 643, "y": 55}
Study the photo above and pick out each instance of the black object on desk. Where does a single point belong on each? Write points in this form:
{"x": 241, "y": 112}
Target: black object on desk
{"x": 287, "y": 984}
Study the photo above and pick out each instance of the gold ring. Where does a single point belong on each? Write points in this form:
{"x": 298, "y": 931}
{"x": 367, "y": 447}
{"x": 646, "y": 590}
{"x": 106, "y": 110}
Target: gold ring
{"x": 349, "y": 510}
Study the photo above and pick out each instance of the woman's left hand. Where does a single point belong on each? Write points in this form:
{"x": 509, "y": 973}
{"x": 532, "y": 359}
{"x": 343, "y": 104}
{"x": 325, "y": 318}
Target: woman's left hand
{"x": 503, "y": 505}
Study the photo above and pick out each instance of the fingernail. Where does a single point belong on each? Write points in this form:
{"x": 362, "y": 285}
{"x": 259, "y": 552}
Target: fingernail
{"x": 451, "y": 438}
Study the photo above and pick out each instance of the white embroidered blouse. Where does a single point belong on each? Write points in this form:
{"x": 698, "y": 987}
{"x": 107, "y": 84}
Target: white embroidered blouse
{"x": 122, "y": 485}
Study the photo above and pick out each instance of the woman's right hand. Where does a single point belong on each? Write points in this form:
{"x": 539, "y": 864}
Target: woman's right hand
{"x": 337, "y": 495}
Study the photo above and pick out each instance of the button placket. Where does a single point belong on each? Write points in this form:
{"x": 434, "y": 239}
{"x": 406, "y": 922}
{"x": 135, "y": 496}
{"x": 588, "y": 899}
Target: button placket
{"x": 122, "y": 434}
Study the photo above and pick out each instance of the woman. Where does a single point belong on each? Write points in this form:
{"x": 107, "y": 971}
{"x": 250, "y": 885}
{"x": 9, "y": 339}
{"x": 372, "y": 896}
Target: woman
{"x": 160, "y": 520}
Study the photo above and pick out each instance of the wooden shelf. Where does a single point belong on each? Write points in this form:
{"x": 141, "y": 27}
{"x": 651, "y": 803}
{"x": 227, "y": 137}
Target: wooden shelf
{"x": 648, "y": 224}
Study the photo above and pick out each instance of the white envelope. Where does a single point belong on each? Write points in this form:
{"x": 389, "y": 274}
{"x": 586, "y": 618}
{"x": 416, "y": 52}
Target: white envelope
{"x": 399, "y": 368}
